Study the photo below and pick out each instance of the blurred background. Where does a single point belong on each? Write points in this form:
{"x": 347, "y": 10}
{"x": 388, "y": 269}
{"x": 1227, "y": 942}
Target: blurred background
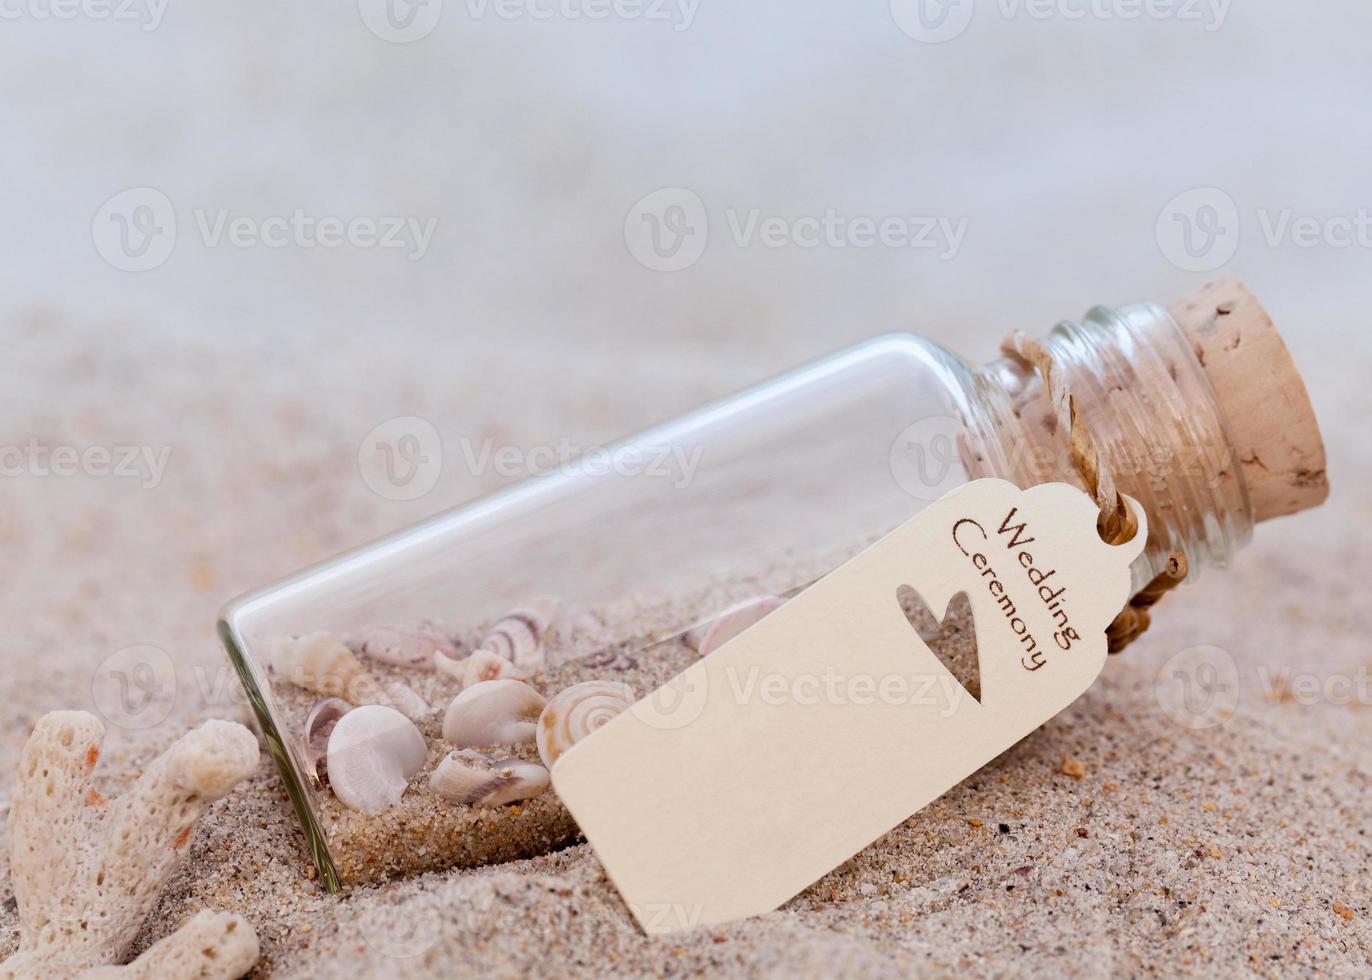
{"x": 238, "y": 238}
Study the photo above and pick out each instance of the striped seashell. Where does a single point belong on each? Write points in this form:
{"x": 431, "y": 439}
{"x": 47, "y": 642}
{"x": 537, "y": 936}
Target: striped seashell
{"x": 519, "y": 635}
{"x": 408, "y": 646}
{"x": 576, "y": 712}
{"x": 474, "y": 779}
{"x": 713, "y": 634}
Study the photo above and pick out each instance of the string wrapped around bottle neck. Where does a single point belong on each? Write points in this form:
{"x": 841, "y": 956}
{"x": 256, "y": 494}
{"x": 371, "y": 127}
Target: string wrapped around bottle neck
{"x": 1116, "y": 523}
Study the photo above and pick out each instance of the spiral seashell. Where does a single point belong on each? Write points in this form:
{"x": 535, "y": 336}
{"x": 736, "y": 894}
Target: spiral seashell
{"x": 474, "y": 779}
{"x": 483, "y": 665}
{"x": 518, "y": 635}
{"x": 373, "y": 751}
{"x": 499, "y": 712}
{"x": 576, "y": 712}
{"x": 710, "y": 636}
{"x": 319, "y": 725}
{"x": 408, "y": 646}
{"x": 322, "y": 663}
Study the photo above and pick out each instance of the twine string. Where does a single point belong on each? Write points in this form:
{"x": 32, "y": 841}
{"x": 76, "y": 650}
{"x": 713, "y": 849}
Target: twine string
{"x": 1116, "y": 523}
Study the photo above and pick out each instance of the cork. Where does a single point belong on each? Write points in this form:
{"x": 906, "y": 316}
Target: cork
{"x": 1261, "y": 397}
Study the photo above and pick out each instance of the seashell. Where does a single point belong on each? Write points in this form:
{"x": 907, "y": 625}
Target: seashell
{"x": 322, "y": 663}
{"x": 610, "y": 660}
{"x": 408, "y": 646}
{"x": 576, "y": 712}
{"x": 474, "y": 779}
{"x": 373, "y": 752}
{"x": 518, "y": 635}
{"x": 407, "y": 701}
{"x": 318, "y": 726}
{"x": 499, "y": 712}
{"x": 711, "y": 635}
{"x": 483, "y": 665}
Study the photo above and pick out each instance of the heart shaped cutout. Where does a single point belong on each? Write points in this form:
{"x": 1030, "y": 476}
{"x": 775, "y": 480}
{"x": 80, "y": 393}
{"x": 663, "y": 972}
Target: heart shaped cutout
{"x": 952, "y": 637}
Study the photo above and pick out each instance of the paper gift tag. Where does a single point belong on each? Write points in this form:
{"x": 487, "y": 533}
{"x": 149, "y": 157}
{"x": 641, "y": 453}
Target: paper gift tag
{"x": 796, "y": 744}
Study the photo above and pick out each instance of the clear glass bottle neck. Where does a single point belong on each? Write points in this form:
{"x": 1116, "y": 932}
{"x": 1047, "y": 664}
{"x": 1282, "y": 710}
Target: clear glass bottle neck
{"x": 1147, "y": 404}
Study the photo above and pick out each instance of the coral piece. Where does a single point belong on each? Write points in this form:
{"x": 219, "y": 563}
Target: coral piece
{"x": 87, "y": 872}
{"x": 576, "y": 712}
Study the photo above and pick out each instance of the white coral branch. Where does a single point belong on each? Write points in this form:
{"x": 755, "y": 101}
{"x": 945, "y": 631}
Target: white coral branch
{"x": 87, "y": 873}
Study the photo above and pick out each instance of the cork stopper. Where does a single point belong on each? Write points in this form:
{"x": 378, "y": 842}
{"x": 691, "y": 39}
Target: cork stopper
{"x": 1260, "y": 394}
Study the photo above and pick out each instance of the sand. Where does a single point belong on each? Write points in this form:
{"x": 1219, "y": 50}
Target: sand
{"x": 1114, "y": 840}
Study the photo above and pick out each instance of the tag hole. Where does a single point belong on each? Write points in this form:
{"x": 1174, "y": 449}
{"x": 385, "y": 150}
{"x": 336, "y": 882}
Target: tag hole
{"x": 952, "y": 638}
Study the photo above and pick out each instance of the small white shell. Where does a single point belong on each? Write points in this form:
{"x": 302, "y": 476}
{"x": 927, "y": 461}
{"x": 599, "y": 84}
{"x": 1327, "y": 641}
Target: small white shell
{"x": 473, "y": 779}
{"x": 518, "y": 635}
{"x": 483, "y": 665}
{"x": 373, "y": 752}
{"x": 499, "y": 712}
{"x": 710, "y": 636}
{"x": 408, "y": 646}
{"x": 318, "y": 726}
{"x": 322, "y": 663}
{"x": 407, "y": 701}
{"x": 576, "y": 712}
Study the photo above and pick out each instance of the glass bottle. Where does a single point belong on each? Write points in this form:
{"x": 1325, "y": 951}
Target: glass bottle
{"x": 759, "y": 495}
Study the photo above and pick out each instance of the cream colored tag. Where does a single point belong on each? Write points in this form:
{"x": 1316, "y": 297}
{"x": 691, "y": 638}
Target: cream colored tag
{"x": 799, "y": 742}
